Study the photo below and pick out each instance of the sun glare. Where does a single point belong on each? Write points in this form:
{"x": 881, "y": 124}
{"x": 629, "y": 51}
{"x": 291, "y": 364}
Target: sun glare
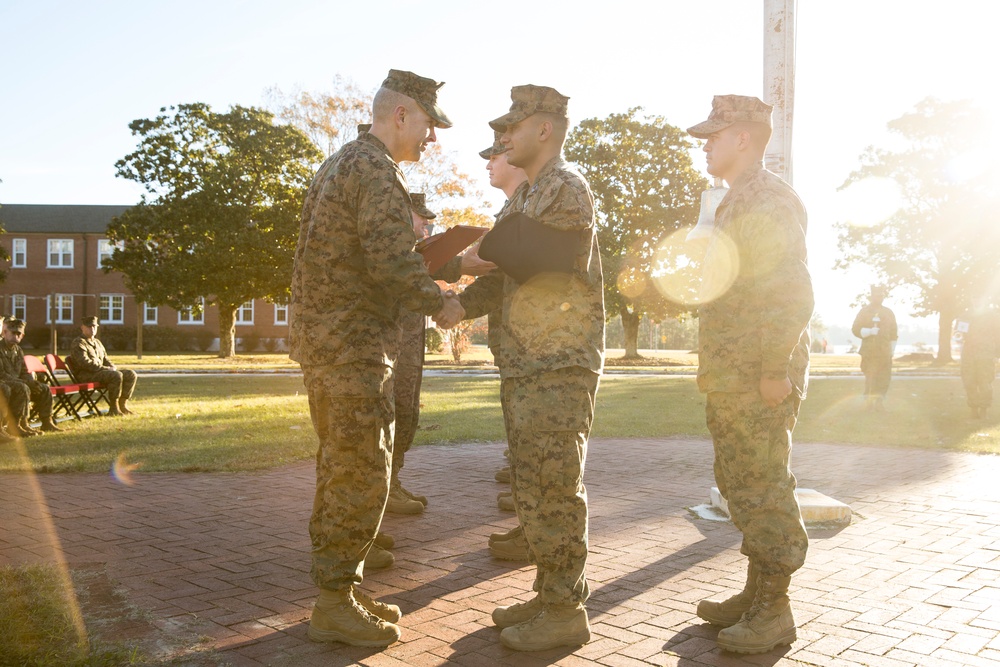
{"x": 695, "y": 271}
{"x": 869, "y": 202}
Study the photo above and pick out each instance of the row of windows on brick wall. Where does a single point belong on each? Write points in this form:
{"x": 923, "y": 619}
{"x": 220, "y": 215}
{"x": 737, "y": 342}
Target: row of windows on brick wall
{"x": 111, "y": 310}
{"x": 60, "y": 253}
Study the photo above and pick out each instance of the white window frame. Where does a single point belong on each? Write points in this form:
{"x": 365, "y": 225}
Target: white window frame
{"x": 148, "y": 310}
{"x": 64, "y": 309}
{"x": 186, "y": 318}
{"x": 63, "y": 249}
{"x": 281, "y": 314}
{"x": 19, "y": 306}
{"x": 244, "y": 314}
{"x": 19, "y": 254}
{"x": 105, "y": 249}
{"x": 110, "y": 305}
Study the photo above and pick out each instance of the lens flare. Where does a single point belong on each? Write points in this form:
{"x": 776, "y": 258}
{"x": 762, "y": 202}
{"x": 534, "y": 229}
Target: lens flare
{"x": 122, "y": 470}
{"x": 695, "y": 271}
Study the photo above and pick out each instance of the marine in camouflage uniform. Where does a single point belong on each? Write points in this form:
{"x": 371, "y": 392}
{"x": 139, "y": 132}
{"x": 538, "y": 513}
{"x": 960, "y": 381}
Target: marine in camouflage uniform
{"x": 875, "y": 325}
{"x": 980, "y": 349}
{"x": 752, "y": 338}
{"x": 552, "y": 354}
{"x": 24, "y": 389}
{"x": 354, "y": 271}
{"x": 409, "y": 375}
{"x": 90, "y": 363}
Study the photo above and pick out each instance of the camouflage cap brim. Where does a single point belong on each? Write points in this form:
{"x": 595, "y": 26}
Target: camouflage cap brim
{"x": 434, "y": 111}
{"x": 705, "y": 129}
{"x": 510, "y": 118}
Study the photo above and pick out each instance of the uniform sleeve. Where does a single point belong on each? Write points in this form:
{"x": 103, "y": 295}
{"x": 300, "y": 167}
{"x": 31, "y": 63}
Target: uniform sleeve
{"x": 385, "y": 231}
{"x": 451, "y": 272}
{"x": 859, "y": 322}
{"x": 893, "y": 331}
{"x": 566, "y": 205}
{"x": 776, "y": 242}
{"x": 484, "y": 295}
{"x": 81, "y": 357}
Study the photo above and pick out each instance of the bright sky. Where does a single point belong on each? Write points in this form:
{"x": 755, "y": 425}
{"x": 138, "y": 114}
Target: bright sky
{"x": 76, "y": 74}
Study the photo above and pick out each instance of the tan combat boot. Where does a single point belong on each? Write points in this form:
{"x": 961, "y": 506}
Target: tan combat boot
{"x": 49, "y": 425}
{"x": 728, "y": 612}
{"x": 387, "y": 612}
{"x": 505, "y": 617}
{"x": 503, "y": 475}
{"x": 512, "y": 549}
{"x": 767, "y": 624}
{"x": 378, "y": 558}
{"x": 505, "y": 501}
{"x": 509, "y": 535}
{"x": 337, "y": 617}
{"x": 400, "y": 503}
{"x": 556, "y": 625}
{"x": 384, "y": 541}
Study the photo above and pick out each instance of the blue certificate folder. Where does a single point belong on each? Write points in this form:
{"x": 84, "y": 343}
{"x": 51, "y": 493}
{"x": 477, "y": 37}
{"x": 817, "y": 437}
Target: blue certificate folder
{"x": 440, "y": 248}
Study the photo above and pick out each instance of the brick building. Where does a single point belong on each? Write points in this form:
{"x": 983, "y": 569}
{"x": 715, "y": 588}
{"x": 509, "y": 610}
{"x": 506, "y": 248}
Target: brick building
{"x": 54, "y": 278}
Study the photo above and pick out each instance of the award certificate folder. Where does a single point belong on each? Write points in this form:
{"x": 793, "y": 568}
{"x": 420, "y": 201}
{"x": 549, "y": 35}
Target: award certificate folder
{"x": 440, "y": 248}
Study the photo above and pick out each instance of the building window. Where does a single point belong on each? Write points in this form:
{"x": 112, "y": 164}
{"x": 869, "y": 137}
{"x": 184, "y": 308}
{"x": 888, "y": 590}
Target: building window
{"x": 244, "y": 314}
{"x": 19, "y": 306}
{"x": 60, "y": 254}
{"x": 281, "y": 313}
{"x": 19, "y": 254}
{"x": 195, "y": 315}
{"x": 112, "y": 309}
{"x": 63, "y": 307}
{"x": 150, "y": 314}
{"x": 105, "y": 249}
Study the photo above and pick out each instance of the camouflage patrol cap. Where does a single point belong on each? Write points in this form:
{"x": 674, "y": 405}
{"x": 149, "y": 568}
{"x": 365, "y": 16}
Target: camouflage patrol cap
{"x": 496, "y": 149}
{"x": 421, "y": 90}
{"x": 418, "y": 204}
{"x": 529, "y": 100}
{"x": 364, "y": 127}
{"x": 14, "y": 324}
{"x": 729, "y": 109}
{"x": 90, "y": 321}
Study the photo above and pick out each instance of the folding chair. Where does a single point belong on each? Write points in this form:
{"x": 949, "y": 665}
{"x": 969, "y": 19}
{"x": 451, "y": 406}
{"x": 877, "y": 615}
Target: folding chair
{"x": 89, "y": 392}
{"x": 66, "y": 399}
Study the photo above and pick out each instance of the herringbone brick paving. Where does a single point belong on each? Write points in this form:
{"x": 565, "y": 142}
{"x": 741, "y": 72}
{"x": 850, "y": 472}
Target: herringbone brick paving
{"x": 222, "y": 559}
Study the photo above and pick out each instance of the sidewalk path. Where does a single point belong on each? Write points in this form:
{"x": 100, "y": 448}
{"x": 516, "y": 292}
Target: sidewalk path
{"x": 220, "y": 561}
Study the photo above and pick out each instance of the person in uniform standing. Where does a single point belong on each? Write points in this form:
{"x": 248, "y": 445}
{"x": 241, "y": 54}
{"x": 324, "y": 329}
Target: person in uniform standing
{"x": 25, "y": 390}
{"x": 753, "y": 365}
{"x": 90, "y": 363}
{"x": 875, "y": 325}
{"x": 980, "y": 349}
{"x": 509, "y": 545}
{"x": 354, "y": 269}
{"x": 552, "y": 350}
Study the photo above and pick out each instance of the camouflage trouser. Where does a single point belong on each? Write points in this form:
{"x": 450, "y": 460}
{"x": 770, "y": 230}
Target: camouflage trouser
{"x": 120, "y": 384}
{"x": 22, "y": 391}
{"x": 16, "y": 396}
{"x": 548, "y": 419}
{"x": 877, "y": 368}
{"x": 753, "y": 447}
{"x": 977, "y": 376}
{"x": 352, "y": 411}
{"x": 409, "y": 373}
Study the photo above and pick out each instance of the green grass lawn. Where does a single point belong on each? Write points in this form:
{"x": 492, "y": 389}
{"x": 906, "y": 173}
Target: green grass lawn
{"x": 234, "y": 423}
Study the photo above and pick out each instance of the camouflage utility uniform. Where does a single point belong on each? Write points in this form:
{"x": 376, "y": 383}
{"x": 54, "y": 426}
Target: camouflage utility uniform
{"x": 551, "y": 357}
{"x": 90, "y": 363}
{"x": 759, "y": 329}
{"x": 876, "y": 350}
{"x": 23, "y": 386}
{"x": 354, "y": 270}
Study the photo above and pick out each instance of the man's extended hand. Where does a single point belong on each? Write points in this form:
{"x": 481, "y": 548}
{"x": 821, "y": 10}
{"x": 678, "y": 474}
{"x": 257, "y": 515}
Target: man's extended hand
{"x": 773, "y": 392}
{"x": 451, "y": 313}
{"x": 473, "y": 265}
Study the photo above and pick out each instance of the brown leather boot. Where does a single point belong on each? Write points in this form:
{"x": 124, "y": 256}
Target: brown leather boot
{"x": 49, "y": 425}
{"x": 337, "y": 617}
{"x": 728, "y": 612}
{"x": 767, "y": 624}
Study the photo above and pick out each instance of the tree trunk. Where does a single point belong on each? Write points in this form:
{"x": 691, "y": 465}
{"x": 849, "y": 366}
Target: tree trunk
{"x": 630, "y": 323}
{"x": 945, "y": 320}
{"x": 227, "y": 332}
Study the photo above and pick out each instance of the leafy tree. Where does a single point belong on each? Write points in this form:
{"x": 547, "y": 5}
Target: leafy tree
{"x": 944, "y": 239}
{"x": 4, "y": 256}
{"x": 645, "y": 188}
{"x": 220, "y": 215}
{"x": 331, "y": 119}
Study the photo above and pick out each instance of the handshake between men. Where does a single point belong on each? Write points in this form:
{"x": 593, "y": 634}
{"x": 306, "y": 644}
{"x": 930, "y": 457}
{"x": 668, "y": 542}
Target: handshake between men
{"x": 451, "y": 312}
